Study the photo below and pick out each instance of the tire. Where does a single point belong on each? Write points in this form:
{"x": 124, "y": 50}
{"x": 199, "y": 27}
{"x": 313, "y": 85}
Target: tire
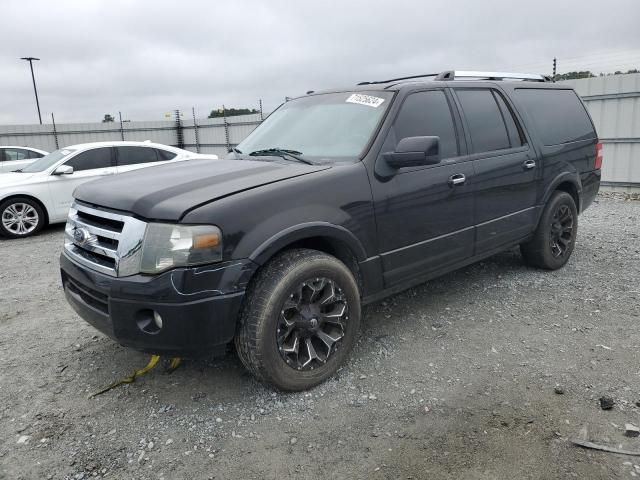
{"x": 20, "y": 217}
{"x": 292, "y": 297}
{"x": 554, "y": 239}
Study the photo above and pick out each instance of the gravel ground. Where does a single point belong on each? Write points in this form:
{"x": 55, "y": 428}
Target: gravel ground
{"x": 456, "y": 378}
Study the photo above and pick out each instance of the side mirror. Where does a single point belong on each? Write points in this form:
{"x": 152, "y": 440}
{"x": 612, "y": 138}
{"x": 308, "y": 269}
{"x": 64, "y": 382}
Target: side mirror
{"x": 414, "y": 152}
{"x": 63, "y": 170}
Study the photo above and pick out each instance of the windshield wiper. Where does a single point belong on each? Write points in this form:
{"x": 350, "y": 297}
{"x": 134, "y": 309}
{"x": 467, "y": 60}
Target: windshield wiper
{"x": 17, "y": 171}
{"x": 281, "y": 152}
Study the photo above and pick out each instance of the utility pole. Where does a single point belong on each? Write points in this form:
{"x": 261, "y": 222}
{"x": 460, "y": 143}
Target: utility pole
{"x": 35, "y": 90}
{"x": 121, "y": 127}
{"x": 554, "y": 67}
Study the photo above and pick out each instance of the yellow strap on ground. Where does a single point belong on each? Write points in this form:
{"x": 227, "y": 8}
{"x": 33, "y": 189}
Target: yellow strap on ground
{"x": 132, "y": 378}
{"x": 175, "y": 363}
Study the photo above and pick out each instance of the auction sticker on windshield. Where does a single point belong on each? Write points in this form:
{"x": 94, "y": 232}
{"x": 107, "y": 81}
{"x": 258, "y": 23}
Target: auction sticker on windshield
{"x": 367, "y": 100}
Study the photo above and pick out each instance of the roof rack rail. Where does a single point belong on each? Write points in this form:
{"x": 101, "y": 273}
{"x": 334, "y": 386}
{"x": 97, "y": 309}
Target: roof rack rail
{"x": 374, "y": 82}
{"x": 463, "y": 74}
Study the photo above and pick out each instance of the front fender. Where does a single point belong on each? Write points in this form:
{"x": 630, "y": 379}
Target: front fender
{"x": 307, "y": 230}
{"x": 46, "y": 205}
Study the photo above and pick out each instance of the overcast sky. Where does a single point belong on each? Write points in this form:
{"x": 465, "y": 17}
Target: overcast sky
{"x": 146, "y": 58}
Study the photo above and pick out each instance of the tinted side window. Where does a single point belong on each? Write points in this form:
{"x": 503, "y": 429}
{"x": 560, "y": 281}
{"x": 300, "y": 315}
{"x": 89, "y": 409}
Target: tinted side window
{"x": 558, "y": 115}
{"x": 33, "y": 154}
{"x": 165, "y": 154}
{"x": 15, "y": 154}
{"x": 136, "y": 155}
{"x": 486, "y": 126}
{"x": 427, "y": 114}
{"x": 515, "y": 136}
{"x": 91, "y": 159}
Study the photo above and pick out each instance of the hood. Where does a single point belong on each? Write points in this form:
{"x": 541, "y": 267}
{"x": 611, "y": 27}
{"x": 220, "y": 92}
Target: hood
{"x": 15, "y": 179}
{"x": 169, "y": 191}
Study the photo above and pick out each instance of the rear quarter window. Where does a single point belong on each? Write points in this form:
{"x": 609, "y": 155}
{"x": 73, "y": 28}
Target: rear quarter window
{"x": 558, "y": 115}
{"x": 165, "y": 154}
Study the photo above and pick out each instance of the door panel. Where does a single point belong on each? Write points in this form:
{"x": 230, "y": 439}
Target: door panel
{"x": 62, "y": 187}
{"x": 425, "y": 222}
{"x": 505, "y": 199}
{"x": 88, "y": 165}
{"x": 505, "y": 168}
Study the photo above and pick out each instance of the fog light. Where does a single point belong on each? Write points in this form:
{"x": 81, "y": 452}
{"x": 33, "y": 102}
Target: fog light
{"x": 157, "y": 319}
{"x": 149, "y": 321}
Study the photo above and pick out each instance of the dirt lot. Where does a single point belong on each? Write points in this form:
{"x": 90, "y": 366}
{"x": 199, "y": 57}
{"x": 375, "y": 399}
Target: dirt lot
{"x": 452, "y": 379}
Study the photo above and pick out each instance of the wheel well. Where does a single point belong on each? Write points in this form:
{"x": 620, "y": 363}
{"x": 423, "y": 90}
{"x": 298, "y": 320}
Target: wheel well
{"x": 33, "y": 199}
{"x": 571, "y": 189}
{"x": 333, "y": 247}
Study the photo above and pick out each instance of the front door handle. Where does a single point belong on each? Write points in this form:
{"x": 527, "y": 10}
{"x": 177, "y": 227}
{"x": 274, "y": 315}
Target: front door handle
{"x": 529, "y": 164}
{"x": 457, "y": 179}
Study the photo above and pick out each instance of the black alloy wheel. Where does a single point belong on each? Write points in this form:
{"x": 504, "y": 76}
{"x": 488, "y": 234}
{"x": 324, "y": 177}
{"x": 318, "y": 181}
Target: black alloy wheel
{"x": 312, "y": 323}
{"x": 554, "y": 239}
{"x": 561, "y": 232}
{"x": 299, "y": 320}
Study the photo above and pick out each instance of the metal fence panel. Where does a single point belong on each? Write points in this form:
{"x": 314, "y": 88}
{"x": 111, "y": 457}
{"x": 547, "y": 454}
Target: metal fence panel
{"x": 614, "y": 104}
{"x": 239, "y": 132}
{"x": 37, "y": 136}
{"x": 213, "y": 136}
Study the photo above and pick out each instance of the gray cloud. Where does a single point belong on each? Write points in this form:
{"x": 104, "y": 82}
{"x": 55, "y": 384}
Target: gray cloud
{"x": 147, "y": 58}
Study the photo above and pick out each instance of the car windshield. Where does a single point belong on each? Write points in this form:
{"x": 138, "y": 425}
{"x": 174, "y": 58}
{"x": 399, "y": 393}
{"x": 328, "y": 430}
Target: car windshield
{"x": 47, "y": 161}
{"x": 332, "y": 126}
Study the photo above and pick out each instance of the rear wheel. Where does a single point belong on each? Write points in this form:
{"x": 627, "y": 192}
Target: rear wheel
{"x": 554, "y": 239}
{"x": 300, "y": 320}
{"x": 20, "y": 217}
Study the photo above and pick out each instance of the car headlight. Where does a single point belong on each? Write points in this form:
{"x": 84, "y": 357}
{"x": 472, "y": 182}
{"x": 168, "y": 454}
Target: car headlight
{"x": 168, "y": 246}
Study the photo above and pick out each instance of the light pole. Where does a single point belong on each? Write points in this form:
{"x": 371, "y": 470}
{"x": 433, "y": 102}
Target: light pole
{"x": 35, "y": 90}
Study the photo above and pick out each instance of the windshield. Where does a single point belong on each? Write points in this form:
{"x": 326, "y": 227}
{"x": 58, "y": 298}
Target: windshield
{"x": 47, "y": 161}
{"x": 333, "y": 125}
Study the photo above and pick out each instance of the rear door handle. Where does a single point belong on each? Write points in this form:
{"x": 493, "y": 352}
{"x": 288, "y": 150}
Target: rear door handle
{"x": 457, "y": 179}
{"x": 529, "y": 164}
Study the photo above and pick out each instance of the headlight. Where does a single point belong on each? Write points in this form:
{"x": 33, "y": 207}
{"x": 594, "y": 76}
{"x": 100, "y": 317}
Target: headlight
{"x": 168, "y": 246}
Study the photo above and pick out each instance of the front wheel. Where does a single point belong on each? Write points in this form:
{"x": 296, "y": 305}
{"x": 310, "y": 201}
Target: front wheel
{"x": 554, "y": 239}
{"x": 20, "y": 217}
{"x": 300, "y": 319}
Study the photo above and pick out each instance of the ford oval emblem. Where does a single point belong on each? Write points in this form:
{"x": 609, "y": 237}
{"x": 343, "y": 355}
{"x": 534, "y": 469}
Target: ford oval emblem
{"x": 81, "y": 236}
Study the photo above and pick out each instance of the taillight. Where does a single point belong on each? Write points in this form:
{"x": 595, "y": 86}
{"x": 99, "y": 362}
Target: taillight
{"x": 598, "y": 164}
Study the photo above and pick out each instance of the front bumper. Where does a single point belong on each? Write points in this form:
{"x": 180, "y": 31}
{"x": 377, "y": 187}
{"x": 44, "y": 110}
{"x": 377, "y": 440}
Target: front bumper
{"x": 198, "y": 306}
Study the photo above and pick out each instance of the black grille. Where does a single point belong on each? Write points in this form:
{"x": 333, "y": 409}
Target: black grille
{"x": 110, "y": 243}
{"x": 100, "y": 222}
{"x": 95, "y": 257}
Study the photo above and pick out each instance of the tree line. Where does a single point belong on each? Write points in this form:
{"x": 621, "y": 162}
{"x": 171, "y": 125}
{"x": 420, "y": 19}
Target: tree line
{"x": 589, "y": 74}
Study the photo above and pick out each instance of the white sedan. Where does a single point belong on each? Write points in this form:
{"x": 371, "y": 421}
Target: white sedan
{"x": 13, "y": 158}
{"x": 41, "y": 193}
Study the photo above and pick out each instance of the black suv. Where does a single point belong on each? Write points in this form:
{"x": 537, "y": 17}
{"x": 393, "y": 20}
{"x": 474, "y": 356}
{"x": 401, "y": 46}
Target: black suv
{"x": 339, "y": 198}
